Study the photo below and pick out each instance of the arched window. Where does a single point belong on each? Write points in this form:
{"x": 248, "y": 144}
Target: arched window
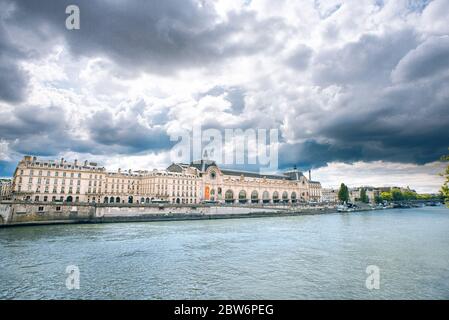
{"x": 254, "y": 197}
{"x": 130, "y": 199}
{"x": 265, "y": 197}
{"x": 275, "y": 197}
{"x": 147, "y": 200}
{"x": 69, "y": 199}
{"x": 105, "y": 200}
{"x": 229, "y": 196}
{"x": 142, "y": 200}
{"x": 293, "y": 197}
{"x": 117, "y": 199}
{"x": 111, "y": 200}
{"x": 242, "y": 196}
{"x": 285, "y": 197}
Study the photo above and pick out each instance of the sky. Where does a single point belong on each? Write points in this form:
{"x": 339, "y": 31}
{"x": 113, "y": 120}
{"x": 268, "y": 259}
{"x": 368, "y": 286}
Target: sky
{"x": 358, "y": 89}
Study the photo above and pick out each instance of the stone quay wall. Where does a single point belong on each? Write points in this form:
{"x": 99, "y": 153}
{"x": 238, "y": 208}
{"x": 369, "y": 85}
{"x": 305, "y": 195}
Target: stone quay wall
{"x": 13, "y": 213}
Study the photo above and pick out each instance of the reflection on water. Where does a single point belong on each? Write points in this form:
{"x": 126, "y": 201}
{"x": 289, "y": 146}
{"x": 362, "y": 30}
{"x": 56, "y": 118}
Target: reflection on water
{"x": 322, "y": 256}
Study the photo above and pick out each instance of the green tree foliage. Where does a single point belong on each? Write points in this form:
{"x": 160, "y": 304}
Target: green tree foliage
{"x": 409, "y": 195}
{"x": 445, "y": 187}
{"x": 425, "y": 196}
{"x": 396, "y": 194}
{"x": 363, "y": 196}
{"x": 378, "y": 199}
{"x": 387, "y": 196}
{"x": 343, "y": 193}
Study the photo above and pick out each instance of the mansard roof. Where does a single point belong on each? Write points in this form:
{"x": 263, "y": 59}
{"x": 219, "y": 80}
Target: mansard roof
{"x": 203, "y": 165}
{"x": 176, "y": 167}
{"x": 251, "y": 174}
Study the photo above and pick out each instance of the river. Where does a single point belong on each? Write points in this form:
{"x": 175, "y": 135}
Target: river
{"x": 300, "y": 257}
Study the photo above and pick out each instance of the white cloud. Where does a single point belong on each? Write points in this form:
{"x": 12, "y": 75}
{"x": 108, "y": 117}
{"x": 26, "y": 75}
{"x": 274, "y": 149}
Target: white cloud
{"x": 434, "y": 18}
{"x": 4, "y": 151}
{"x": 333, "y": 76}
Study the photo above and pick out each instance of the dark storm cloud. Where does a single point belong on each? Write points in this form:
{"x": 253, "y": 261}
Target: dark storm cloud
{"x": 427, "y": 60}
{"x": 313, "y": 154}
{"x": 36, "y": 130}
{"x": 13, "y": 79}
{"x": 157, "y": 36}
{"x": 369, "y": 60}
{"x": 126, "y": 132}
{"x": 46, "y": 131}
{"x": 407, "y": 123}
{"x": 392, "y": 87}
{"x": 375, "y": 118}
{"x": 25, "y": 121}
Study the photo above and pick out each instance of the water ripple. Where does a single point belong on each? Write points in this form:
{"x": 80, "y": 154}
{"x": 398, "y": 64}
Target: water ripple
{"x": 310, "y": 257}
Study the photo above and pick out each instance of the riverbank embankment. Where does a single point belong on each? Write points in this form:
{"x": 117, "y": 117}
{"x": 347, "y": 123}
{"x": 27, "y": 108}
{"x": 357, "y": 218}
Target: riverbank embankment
{"x": 25, "y": 213}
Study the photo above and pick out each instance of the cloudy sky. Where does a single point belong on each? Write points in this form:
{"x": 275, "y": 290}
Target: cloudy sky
{"x": 359, "y": 90}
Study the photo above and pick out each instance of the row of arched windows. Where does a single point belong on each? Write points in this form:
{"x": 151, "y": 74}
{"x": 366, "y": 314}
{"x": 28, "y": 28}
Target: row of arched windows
{"x": 242, "y": 197}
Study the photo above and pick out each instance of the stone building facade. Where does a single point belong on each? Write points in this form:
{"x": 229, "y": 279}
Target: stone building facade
{"x": 371, "y": 192}
{"x": 329, "y": 195}
{"x": 5, "y": 189}
{"x": 62, "y": 181}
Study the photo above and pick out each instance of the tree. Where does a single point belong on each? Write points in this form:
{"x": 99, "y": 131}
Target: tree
{"x": 386, "y": 196}
{"x": 378, "y": 199}
{"x": 397, "y": 195}
{"x": 409, "y": 195}
{"x": 343, "y": 193}
{"x": 445, "y": 186}
{"x": 363, "y": 196}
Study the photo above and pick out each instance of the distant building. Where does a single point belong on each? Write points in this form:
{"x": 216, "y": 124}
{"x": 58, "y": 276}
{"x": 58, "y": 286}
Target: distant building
{"x": 389, "y": 189}
{"x": 5, "y": 189}
{"x": 49, "y": 180}
{"x": 329, "y": 195}
{"x": 371, "y": 192}
{"x": 315, "y": 193}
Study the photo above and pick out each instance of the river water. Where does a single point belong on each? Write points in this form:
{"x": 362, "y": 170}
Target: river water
{"x": 306, "y": 257}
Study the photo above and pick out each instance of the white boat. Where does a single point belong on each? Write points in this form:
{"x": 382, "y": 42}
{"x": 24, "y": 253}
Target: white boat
{"x": 343, "y": 208}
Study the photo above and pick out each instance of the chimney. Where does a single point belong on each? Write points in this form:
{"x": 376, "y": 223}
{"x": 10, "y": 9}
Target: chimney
{"x": 310, "y": 175}
{"x": 85, "y": 163}
{"x": 203, "y": 166}
{"x": 76, "y": 162}
{"x": 62, "y": 160}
